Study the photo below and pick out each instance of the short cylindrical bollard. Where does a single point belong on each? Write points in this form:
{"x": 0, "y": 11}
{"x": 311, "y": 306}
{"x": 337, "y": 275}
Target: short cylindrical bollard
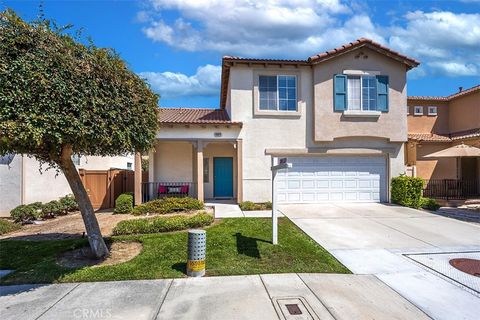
{"x": 197, "y": 243}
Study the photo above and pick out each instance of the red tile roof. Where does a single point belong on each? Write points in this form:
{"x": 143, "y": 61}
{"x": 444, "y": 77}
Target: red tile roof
{"x": 194, "y": 116}
{"x": 432, "y": 137}
{"x": 472, "y": 133}
{"x": 229, "y": 61}
{"x": 364, "y": 42}
{"x": 447, "y": 98}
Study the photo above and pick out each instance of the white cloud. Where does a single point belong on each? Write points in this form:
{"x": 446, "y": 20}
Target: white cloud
{"x": 205, "y": 82}
{"x": 446, "y": 43}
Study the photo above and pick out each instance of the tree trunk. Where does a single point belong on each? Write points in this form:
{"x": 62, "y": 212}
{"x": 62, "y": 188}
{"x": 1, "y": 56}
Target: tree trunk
{"x": 97, "y": 244}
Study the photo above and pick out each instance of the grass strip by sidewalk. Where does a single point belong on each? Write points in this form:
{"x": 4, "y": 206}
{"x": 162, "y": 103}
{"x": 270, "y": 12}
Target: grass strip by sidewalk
{"x": 234, "y": 247}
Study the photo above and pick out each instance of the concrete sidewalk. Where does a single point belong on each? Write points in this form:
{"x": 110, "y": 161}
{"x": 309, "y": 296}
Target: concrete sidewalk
{"x": 263, "y": 297}
{"x": 232, "y": 210}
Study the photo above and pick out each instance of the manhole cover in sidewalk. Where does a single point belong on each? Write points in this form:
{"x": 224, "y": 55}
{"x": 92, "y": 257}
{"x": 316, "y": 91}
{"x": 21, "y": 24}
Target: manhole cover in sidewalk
{"x": 460, "y": 267}
{"x": 470, "y": 266}
{"x": 294, "y": 308}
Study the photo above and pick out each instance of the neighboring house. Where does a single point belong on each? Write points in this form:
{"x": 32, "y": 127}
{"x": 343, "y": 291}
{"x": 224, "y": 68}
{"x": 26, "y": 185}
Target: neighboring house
{"x": 22, "y": 181}
{"x": 338, "y": 116}
{"x": 437, "y": 123}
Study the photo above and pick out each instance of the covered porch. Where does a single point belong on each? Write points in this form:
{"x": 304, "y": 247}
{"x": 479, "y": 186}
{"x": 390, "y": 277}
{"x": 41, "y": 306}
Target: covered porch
{"x": 203, "y": 169}
{"x": 198, "y": 153}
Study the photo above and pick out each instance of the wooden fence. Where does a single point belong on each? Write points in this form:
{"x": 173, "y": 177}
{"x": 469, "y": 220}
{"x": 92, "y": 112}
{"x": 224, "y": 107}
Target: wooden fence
{"x": 104, "y": 186}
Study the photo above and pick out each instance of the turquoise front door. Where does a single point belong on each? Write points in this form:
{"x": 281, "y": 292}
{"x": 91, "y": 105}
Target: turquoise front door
{"x": 223, "y": 177}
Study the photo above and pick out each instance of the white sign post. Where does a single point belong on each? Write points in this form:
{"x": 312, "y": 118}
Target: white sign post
{"x": 282, "y": 164}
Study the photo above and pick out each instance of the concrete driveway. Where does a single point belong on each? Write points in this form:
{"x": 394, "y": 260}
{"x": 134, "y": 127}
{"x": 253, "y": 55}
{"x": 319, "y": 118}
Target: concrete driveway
{"x": 405, "y": 248}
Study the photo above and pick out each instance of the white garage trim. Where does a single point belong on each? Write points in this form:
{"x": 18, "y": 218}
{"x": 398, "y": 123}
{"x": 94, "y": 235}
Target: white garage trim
{"x": 333, "y": 179}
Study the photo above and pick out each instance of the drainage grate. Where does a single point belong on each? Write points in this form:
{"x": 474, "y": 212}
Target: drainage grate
{"x": 294, "y": 308}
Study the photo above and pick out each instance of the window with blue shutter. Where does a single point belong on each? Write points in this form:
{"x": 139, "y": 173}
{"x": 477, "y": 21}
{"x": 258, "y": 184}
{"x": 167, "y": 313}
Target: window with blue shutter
{"x": 382, "y": 93}
{"x": 340, "y": 92}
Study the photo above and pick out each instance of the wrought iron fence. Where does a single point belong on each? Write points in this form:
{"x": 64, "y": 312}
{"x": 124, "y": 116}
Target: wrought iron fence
{"x": 451, "y": 189}
{"x": 156, "y": 190}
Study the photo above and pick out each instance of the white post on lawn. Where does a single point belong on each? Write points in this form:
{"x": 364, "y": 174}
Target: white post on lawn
{"x": 282, "y": 164}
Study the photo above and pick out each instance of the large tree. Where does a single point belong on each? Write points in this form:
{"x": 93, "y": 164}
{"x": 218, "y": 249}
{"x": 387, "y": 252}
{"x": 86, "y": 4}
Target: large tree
{"x": 59, "y": 97}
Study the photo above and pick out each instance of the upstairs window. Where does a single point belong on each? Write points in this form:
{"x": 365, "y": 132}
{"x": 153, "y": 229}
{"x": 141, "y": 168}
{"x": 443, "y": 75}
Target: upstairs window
{"x": 278, "y": 93}
{"x": 360, "y": 93}
{"x": 418, "y": 111}
{"x": 76, "y": 159}
{"x": 432, "y": 111}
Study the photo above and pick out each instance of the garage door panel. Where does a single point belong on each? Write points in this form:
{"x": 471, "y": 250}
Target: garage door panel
{"x": 333, "y": 179}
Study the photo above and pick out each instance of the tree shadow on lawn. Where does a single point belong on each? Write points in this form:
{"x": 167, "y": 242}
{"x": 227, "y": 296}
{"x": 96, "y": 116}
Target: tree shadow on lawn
{"x": 180, "y": 266}
{"x": 248, "y": 246}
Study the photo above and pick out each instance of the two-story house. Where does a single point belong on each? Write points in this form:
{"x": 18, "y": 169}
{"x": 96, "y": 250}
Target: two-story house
{"x": 338, "y": 116}
{"x": 438, "y": 123}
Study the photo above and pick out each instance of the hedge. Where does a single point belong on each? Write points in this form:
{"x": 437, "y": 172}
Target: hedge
{"x": 430, "y": 204}
{"x": 168, "y": 205}
{"x": 407, "y": 191}
{"x": 8, "y": 226}
{"x": 250, "y": 206}
{"x": 124, "y": 203}
{"x": 162, "y": 224}
{"x": 38, "y": 210}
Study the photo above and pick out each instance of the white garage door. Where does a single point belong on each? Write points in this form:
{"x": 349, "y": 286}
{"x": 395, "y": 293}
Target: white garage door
{"x": 333, "y": 179}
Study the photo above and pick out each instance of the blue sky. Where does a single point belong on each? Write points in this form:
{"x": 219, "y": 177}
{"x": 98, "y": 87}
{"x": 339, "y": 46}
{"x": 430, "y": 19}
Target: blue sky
{"x": 177, "y": 45}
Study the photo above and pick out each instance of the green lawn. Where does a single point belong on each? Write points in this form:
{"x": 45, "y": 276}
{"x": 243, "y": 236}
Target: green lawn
{"x": 234, "y": 247}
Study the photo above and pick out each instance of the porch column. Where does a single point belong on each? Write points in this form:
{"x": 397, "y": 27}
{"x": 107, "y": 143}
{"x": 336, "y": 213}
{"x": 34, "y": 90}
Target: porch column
{"x": 200, "y": 193}
{"x": 138, "y": 179}
{"x": 239, "y": 171}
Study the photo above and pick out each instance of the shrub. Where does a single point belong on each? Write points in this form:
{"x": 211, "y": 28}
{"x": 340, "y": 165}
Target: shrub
{"x": 52, "y": 209}
{"x": 8, "y": 226}
{"x": 124, "y": 203}
{"x": 407, "y": 191}
{"x": 168, "y": 205}
{"x": 24, "y": 213}
{"x": 430, "y": 204}
{"x": 162, "y": 224}
{"x": 250, "y": 206}
{"x": 69, "y": 203}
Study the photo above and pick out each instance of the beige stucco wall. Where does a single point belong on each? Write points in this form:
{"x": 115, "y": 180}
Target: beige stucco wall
{"x": 173, "y": 162}
{"x": 465, "y": 112}
{"x": 329, "y": 124}
{"x": 10, "y": 185}
{"x": 260, "y": 132}
{"x": 425, "y": 123}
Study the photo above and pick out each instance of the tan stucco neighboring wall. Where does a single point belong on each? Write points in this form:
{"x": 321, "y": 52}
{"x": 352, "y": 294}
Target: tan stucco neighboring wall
{"x": 425, "y": 123}
{"x": 445, "y": 168}
{"x": 465, "y": 112}
{"x": 173, "y": 162}
{"x": 330, "y": 125}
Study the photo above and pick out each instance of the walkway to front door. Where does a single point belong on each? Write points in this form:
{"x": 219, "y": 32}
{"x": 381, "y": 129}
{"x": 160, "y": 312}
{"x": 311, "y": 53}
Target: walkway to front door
{"x": 223, "y": 177}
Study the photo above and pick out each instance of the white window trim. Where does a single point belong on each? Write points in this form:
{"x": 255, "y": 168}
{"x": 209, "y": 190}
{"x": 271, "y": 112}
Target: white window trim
{"x": 361, "y": 73}
{"x": 415, "y": 113}
{"x": 278, "y": 97}
{"x": 432, "y": 113}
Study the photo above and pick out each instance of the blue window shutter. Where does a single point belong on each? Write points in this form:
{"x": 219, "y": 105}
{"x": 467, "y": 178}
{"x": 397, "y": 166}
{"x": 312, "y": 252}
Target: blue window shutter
{"x": 340, "y": 92}
{"x": 382, "y": 93}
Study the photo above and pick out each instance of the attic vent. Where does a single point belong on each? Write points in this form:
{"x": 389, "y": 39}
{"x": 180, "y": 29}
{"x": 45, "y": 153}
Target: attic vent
{"x": 217, "y": 134}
